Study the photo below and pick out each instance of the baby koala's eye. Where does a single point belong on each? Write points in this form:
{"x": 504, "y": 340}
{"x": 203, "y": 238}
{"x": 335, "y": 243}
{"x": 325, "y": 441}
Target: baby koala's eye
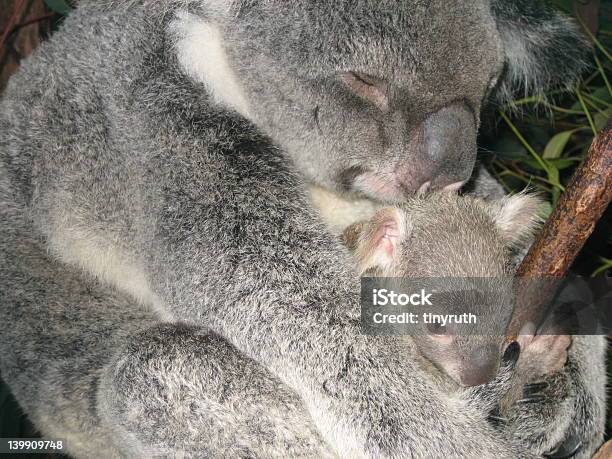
{"x": 369, "y": 88}
{"x": 437, "y": 329}
{"x": 440, "y": 334}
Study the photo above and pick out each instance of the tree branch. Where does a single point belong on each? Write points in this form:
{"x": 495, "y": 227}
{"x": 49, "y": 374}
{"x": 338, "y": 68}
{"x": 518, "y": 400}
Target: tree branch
{"x": 573, "y": 220}
{"x": 577, "y": 212}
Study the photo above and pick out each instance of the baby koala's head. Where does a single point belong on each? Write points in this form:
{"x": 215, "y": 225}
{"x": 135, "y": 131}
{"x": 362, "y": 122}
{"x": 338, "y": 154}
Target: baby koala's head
{"x": 447, "y": 236}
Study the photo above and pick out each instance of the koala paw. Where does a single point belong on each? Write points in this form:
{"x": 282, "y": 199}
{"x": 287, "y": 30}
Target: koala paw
{"x": 543, "y": 354}
{"x": 496, "y": 419}
{"x": 533, "y": 393}
{"x": 566, "y": 449}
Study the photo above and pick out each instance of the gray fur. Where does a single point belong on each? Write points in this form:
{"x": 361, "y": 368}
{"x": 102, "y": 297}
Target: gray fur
{"x": 442, "y": 236}
{"x": 483, "y": 185}
{"x": 134, "y": 192}
{"x": 535, "y": 36}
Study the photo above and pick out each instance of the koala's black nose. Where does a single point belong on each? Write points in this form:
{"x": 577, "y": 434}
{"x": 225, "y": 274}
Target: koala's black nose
{"x": 449, "y": 143}
{"x": 480, "y": 367}
{"x": 477, "y": 376}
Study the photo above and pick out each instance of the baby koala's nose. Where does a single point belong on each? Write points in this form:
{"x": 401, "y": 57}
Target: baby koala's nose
{"x": 480, "y": 367}
{"x": 478, "y": 375}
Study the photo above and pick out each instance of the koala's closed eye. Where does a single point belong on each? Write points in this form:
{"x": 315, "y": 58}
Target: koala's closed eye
{"x": 369, "y": 88}
{"x": 436, "y": 328}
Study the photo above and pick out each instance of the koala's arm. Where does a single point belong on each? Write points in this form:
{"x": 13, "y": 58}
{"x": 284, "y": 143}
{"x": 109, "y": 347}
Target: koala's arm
{"x": 587, "y": 373}
{"x": 103, "y": 376}
{"x": 110, "y": 381}
{"x": 260, "y": 270}
{"x": 567, "y": 407}
{"x": 174, "y": 390}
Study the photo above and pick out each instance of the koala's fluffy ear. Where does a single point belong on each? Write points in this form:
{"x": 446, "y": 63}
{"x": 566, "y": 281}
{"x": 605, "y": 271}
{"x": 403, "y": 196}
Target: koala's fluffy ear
{"x": 543, "y": 48}
{"x": 517, "y": 217}
{"x": 376, "y": 242}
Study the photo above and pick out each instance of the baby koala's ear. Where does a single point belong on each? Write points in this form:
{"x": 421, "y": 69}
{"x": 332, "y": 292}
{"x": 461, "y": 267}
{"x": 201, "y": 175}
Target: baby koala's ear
{"x": 376, "y": 242}
{"x": 518, "y": 217}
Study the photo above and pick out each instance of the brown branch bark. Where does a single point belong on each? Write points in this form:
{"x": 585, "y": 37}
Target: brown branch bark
{"x": 579, "y": 209}
{"x": 605, "y": 452}
{"x": 577, "y": 212}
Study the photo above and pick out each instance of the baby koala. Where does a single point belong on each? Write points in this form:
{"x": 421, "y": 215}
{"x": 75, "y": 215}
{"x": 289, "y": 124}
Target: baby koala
{"x": 447, "y": 236}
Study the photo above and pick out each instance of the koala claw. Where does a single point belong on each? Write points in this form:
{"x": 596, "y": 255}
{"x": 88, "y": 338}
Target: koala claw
{"x": 497, "y": 421}
{"x": 513, "y": 351}
{"x": 532, "y": 393}
{"x": 534, "y": 388}
{"x": 535, "y": 398}
{"x": 568, "y": 448}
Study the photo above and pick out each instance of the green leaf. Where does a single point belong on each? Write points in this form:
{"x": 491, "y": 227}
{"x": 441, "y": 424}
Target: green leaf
{"x": 557, "y": 163}
{"x": 606, "y": 264}
{"x": 532, "y": 163}
{"x": 602, "y": 94}
{"x": 547, "y": 209}
{"x": 555, "y": 195}
{"x": 600, "y": 119}
{"x": 553, "y": 175}
{"x": 556, "y": 145}
{"x": 525, "y": 143}
{"x": 59, "y": 6}
{"x": 564, "y": 163}
{"x": 508, "y": 148}
{"x": 586, "y": 110}
{"x": 598, "y": 94}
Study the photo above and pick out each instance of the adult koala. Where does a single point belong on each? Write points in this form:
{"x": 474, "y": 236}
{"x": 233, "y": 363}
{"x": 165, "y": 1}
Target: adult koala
{"x": 153, "y": 157}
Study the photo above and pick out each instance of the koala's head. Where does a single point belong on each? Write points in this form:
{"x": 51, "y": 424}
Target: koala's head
{"x": 446, "y": 236}
{"x": 378, "y": 97}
